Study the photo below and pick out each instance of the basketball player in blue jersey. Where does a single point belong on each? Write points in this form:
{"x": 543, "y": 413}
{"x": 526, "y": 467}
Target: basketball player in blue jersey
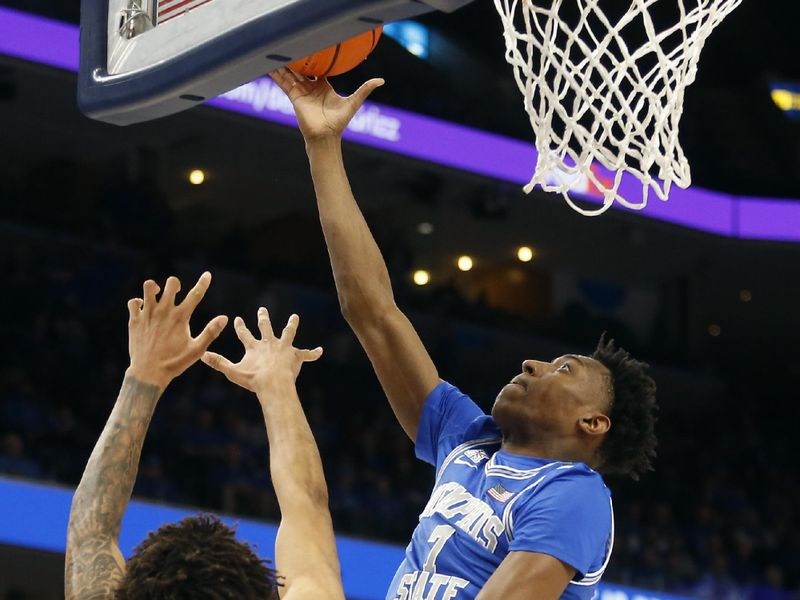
{"x": 519, "y": 509}
{"x": 200, "y": 556}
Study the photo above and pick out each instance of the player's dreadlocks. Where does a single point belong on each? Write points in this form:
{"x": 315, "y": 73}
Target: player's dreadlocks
{"x": 197, "y": 558}
{"x": 631, "y": 443}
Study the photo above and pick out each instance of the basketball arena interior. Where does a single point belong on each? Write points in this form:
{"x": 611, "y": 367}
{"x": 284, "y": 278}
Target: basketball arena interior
{"x": 704, "y": 287}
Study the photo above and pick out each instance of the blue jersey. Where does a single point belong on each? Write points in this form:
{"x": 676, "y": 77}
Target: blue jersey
{"x": 487, "y": 503}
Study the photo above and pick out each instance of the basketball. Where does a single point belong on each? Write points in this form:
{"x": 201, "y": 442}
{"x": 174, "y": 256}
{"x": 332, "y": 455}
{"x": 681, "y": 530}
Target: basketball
{"x": 340, "y": 58}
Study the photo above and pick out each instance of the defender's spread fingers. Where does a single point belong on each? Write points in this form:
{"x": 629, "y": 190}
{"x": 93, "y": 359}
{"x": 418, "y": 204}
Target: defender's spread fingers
{"x": 243, "y": 333}
{"x": 135, "y": 307}
{"x": 264, "y": 324}
{"x": 197, "y": 293}
{"x": 310, "y": 355}
{"x": 217, "y": 362}
{"x": 287, "y": 336}
{"x": 211, "y": 331}
{"x": 150, "y": 289}
{"x": 172, "y": 287}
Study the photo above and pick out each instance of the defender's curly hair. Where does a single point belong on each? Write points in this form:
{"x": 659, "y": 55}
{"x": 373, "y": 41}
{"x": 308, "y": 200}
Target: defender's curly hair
{"x": 197, "y": 558}
{"x": 630, "y": 444}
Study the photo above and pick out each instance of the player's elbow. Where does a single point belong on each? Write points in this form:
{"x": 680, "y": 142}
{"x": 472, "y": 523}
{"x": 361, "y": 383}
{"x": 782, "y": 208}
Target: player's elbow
{"x": 363, "y": 297}
{"x": 361, "y": 311}
{"x": 317, "y": 494}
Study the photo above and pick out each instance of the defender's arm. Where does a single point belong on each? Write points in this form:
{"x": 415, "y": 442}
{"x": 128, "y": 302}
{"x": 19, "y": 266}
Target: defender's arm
{"x": 305, "y": 549}
{"x": 94, "y": 564}
{"x": 161, "y": 348}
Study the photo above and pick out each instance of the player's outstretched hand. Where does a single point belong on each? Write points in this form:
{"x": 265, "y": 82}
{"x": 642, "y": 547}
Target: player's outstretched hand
{"x": 265, "y": 358}
{"x": 160, "y": 342}
{"x": 321, "y": 112}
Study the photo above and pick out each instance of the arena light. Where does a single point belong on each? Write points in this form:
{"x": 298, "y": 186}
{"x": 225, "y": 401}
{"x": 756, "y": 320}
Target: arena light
{"x": 425, "y": 228}
{"x": 525, "y": 253}
{"x": 464, "y": 263}
{"x": 197, "y": 177}
{"x": 786, "y": 96}
{"x": 412, "y": 36}
{"x": 421, "y": 277}
{"x": 745, "y": 295}
{"x": 714, "y": 330}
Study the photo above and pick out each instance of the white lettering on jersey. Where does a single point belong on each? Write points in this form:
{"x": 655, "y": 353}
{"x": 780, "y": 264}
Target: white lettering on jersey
{"x": 478, "y": 520}
{"x": 422, "y": 585}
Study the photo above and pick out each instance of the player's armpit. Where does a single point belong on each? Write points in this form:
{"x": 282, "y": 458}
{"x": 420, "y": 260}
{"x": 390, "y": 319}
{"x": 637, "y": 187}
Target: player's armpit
{"x": 528, "y": 576}
{"x": 94, "y": 569}
{"x": 401, "y": 362}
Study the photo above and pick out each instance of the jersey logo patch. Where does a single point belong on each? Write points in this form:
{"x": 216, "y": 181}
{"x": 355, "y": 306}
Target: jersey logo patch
{"x": 500, "y": 493}
{"x": 475, "y": 457}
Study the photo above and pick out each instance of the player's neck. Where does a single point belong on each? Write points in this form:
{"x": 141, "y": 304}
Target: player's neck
{"x": 552, "y": 449}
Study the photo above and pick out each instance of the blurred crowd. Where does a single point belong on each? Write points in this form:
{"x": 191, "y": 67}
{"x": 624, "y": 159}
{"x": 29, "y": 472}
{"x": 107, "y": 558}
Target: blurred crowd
{"x": 717, "y": 519}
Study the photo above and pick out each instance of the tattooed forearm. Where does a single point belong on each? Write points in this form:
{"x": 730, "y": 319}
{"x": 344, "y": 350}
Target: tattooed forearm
{"x": 94, "y": 565}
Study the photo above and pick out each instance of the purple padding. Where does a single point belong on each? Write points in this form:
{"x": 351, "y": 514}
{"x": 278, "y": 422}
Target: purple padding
{"x": 56, "y": 44}
{"x": 765, "y": 219}
{"x": 697, "y": 208}
{"x": 38, "y": 39}
{"x": 453, "y": 145}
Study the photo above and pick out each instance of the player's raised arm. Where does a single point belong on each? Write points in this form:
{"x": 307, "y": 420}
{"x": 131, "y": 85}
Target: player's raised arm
{"x": 161, "y": 348}
{"x": 305, "y": 549}
{"x": 398, "y": 356}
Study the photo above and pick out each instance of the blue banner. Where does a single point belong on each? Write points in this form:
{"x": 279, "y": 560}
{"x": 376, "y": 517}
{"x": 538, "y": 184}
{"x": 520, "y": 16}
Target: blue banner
{"x": 34, "y": 515}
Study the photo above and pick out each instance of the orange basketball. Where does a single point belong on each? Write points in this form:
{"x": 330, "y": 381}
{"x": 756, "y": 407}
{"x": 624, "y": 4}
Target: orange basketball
{"x": 340, "y": 58}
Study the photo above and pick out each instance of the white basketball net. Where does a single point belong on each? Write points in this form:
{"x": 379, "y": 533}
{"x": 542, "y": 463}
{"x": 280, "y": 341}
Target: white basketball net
{"x": 593, "y": 98}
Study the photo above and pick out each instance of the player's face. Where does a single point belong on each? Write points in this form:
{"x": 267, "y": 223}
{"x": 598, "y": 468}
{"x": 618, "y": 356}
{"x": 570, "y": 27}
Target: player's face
{"x": 552, "y": 397}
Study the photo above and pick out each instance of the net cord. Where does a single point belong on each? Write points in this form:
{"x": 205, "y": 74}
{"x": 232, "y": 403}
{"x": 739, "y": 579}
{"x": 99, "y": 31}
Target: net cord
{"x": 574, "y": 80}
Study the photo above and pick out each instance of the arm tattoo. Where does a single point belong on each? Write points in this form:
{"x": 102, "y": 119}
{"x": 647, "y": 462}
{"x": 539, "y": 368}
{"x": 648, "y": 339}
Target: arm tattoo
{"x": 94, "y": 565}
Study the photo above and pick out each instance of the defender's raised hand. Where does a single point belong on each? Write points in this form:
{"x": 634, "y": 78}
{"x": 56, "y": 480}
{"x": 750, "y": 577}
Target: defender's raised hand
{"x": 264, "y": 358}
{"x": 321, "y": 112}
{"x": 160, "y": 342}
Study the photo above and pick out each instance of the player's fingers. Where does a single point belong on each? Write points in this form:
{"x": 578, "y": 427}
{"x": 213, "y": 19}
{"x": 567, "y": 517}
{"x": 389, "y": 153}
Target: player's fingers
{"x": 286, "y": 79}
{"x": 135, "y": 308}
{"x": 243, "y": 333}
{"x": 295, "y": 77}
{"x": 197, "y": 293}
{"x": 280, "y": 77}
{"x": 211, "y": 331}
{"x": 264, "y": 324}
{"x": 310, "y": 355}
{"x": 218, "y": 363}
{"x": 362, "y": 93}
{"x": 150, "y": 289}
{"x": 172, "y": 287}
{"x": 288, "y": 333}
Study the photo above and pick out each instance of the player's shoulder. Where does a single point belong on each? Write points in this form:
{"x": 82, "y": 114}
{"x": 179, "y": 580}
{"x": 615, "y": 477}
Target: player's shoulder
{"x": 576, "y": 484}
{"x": 577, "y": 475}
{"x": 473, "y": 424}
{"x": 559, "y": 482}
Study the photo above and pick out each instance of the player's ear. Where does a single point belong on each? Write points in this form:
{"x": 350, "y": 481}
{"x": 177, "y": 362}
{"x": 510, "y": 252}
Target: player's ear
{"x": 595, "y": 424}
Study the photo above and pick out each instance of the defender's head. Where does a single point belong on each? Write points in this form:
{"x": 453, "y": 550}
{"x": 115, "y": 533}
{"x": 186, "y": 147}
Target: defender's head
{"x": 199, "y": 557}
{"x": 599, "y": 408}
